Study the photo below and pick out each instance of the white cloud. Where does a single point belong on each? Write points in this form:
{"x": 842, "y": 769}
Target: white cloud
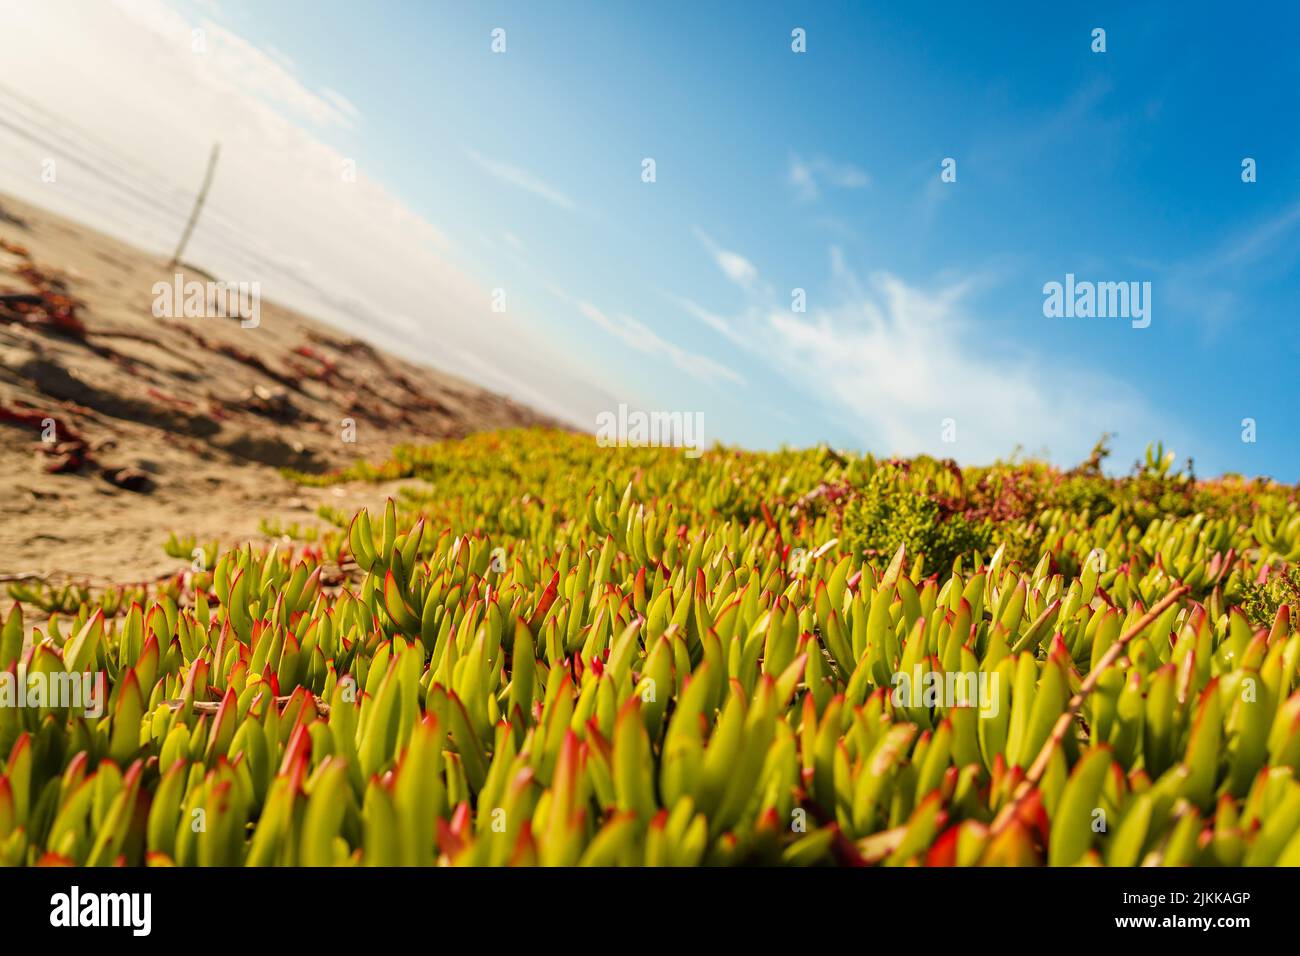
{"x": 810, "y": 177}
{"x": 640, "y": 337}
{"x": 521, "y": 179}
{"x": 341, "y": 103}
{"x": 891, "y": 361}
{"x": 1215, "y": 286}
{"x": 736, "y": 267}
{"x": 1262, "y": 239}
{"x": 733, "y": 265}
{"x": 232, "y": 63}
{"x": 900, "y": 359}
{"x": 933, "y": 195}
{"x": 714, "y": 321}
{"x": 280, "y": 211}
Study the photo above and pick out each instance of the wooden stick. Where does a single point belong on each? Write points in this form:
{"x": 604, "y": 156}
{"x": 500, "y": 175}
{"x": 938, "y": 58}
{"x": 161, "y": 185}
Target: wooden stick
{"x": 212, "y": 706}
{"x": 1039, "y": 766}
{"x": 198, "y": 205}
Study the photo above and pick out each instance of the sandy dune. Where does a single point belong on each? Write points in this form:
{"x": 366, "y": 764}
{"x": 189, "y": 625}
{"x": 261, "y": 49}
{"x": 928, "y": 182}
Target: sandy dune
{"x": 117, "y": 427}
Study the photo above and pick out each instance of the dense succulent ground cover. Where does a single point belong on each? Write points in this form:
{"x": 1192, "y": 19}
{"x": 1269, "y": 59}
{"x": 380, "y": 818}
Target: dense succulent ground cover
{"x": 552, "y": 652}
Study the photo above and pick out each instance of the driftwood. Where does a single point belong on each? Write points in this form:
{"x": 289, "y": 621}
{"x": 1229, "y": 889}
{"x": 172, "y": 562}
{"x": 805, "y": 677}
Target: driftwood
{"x": 1062, "y": 726}
{"x": 212, "y": 706}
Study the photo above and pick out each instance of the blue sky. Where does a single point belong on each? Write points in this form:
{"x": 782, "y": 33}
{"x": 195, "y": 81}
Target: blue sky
{"x": 778, "y": 170}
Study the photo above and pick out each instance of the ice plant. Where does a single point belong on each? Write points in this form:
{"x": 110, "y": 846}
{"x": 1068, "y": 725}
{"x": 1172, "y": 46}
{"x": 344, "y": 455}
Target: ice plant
{"x": 563, "y": 654}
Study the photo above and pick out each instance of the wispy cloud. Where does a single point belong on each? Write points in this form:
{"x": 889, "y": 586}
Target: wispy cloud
{"x": 736, "y": 267}
{"x": 717, "y": 323}
{"x": 893, "y": 360}
{"x": 810, "y": 177}
{"x": 520, "y": 178}
{"x": 1210, "y": 286}
{"x": 902, "y": 359}
{"x": 1078, "y": 118}
{"x": 732, "y": 264}
{"x": 1256, "y": 242}
{"x": 933, "y": 195}
{"x": 239, "y": 64}
{"x": 341, "y": 103}
{"x": 642, "y": 338}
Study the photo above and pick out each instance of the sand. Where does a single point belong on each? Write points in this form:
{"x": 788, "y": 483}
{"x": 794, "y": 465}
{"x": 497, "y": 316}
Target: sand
{"x": 118, "y": 427}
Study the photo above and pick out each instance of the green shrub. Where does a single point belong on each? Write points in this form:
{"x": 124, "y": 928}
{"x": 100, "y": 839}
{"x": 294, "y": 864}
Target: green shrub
{"x": 889, "y": 513}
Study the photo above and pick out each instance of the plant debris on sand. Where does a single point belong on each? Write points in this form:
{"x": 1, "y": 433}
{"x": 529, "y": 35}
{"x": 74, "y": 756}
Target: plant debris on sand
{"x": 122, "y": 424}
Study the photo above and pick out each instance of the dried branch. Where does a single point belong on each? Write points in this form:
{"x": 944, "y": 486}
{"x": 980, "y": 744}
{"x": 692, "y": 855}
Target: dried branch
{"x": 1062, "y": 726}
